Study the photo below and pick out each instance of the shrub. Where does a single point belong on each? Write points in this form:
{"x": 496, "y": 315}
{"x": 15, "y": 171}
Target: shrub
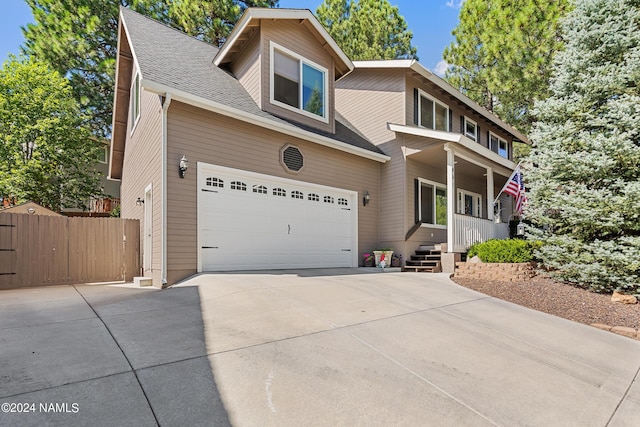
{"x": 512, "y": 250}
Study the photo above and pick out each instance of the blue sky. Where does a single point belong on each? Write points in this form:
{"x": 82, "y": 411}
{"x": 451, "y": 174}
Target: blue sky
{"x": 430, "y": 20}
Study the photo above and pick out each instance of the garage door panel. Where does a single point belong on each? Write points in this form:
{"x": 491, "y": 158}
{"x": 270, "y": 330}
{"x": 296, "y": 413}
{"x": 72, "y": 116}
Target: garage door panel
{"x": 241, "y": 230}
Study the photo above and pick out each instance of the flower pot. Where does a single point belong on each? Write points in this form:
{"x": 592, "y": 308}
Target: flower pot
{"x": 371, "y": 262}
{"x": 379, "y": 258}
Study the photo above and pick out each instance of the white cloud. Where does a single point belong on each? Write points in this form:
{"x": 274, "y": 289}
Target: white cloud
{"x": 441, "y": 68}
{"x": 456, "y": 4}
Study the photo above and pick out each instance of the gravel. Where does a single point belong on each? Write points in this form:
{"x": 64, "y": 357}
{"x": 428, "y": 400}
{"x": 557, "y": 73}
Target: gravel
{"x": 544, "y": 294}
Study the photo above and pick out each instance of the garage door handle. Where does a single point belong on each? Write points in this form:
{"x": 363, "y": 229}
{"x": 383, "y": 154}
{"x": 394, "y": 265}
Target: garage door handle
{"x": 346, "y": 209}
{"x": 210, "y": 191}
{"x": 209, "y": 247}
{"x": 289, "y": 230}
{"x": 346, "y": 250}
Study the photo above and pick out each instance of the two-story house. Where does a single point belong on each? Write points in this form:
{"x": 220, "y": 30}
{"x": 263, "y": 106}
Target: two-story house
{"x": 276, "y": 151}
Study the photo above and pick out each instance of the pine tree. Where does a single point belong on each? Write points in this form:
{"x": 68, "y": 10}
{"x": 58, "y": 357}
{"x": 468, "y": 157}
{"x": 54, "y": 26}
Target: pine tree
{"x": 502, "y": 54}
{"x": 584, "y": 170}
{"x": 367, "y": 29}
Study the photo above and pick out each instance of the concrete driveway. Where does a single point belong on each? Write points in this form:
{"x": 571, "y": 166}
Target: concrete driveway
{"x": 304, "y": 348}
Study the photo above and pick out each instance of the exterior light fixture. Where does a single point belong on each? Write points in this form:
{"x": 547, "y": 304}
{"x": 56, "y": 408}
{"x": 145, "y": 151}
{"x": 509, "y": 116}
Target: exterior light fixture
{"x": 366, "y": 199}
{"x": 520, "y": 229}
{"x": 31, "y": 211}
{"x": 139, "y": 202}
{"x": 184, "y": 165}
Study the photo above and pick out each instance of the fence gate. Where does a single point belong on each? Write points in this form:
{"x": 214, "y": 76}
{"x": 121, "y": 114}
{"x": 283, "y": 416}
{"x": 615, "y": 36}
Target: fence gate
{"x": 38, "y": 250}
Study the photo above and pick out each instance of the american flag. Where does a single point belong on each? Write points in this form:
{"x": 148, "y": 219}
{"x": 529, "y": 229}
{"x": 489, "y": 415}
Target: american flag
{"x": 515, "y": 187}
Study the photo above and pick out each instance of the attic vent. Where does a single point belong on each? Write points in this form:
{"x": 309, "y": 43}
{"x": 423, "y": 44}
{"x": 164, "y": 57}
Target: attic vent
{"x": 291, "y": 158}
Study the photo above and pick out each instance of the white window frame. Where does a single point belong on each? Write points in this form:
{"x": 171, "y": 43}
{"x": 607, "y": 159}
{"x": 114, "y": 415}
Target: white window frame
{"x": 302, "y": 60}
{"x": 106, "y": 155}
{"x": 435, "y": 101}
{"x": 473, "y": 137}
{"x": 435, "y": 185}
{"x": 500, "y": 140}
{"x": 134, "y": 101}
{"x": 477, "y": 199}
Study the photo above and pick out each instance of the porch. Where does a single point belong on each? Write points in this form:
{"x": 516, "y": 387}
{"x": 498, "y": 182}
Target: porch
{"x": 456, "y": 181}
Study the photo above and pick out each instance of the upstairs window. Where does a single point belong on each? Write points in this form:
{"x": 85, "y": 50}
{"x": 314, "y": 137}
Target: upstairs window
{"x": 432, "y": 114}
{"x": 498, "y": 145}
{"x": 134, "y": 108}
{"x": 470, "y": 129}
{"x": 298, "y": 84}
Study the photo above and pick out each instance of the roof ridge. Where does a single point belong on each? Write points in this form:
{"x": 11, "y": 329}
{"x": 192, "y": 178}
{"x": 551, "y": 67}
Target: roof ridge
{"x": 155, "y": 21}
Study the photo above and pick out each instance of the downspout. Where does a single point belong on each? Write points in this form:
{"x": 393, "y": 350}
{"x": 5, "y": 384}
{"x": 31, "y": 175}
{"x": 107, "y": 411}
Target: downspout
{"x": 165, "y": 108}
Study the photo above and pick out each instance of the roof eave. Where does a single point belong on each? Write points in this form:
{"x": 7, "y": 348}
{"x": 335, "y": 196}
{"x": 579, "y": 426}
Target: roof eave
{"x": 447, "y": 137}
{"x": 188, "y": 98}
{"x": 267, "y": 13}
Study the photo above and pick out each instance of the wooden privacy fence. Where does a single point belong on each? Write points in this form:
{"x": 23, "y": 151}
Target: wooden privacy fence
{"x": 37, "y": 250}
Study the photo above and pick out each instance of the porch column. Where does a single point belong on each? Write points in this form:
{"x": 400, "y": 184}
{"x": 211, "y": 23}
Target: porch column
{"x": 451, "y": 197}
{"x": 490, "y": 195}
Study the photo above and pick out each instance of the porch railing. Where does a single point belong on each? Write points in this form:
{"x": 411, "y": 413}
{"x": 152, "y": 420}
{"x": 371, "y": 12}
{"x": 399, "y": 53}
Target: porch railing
{"x": 469, "y": 230}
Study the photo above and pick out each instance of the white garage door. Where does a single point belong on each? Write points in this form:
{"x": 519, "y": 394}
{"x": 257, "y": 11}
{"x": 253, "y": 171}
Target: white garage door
{"x": 249, "y": 221}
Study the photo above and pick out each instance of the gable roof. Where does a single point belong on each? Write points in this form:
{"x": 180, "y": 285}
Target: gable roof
{"x": 415, "y": 66}
{"x": 170, "y": 61}
{"x": 250, "y": 18}
{"x": 29, "y": 208}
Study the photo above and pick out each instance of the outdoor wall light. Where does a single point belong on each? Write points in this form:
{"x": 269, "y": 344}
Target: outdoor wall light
{"x": 184, "y": 165}
{"x": 366, "y": 199}
{"x": 139, "y": 202}
{"x": 520, "y": 229}
{"x": 31, "y": 211}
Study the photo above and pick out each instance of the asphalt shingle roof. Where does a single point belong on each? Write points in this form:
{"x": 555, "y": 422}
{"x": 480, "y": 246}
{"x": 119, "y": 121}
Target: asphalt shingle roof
{"x": 176, "y": 60}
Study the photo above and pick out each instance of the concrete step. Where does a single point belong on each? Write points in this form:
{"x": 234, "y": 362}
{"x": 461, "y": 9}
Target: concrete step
{"x": 425, "y": 257}
{"x": 423, "y": 268}
{"x": 422, "y": 263}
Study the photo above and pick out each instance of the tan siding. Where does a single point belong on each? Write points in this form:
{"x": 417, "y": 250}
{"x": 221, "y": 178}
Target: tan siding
{"x": 141, "y": 167}
{"x": 247, "y": 70}
{"x": 298, "y": 39}
{"x": 458, "y": 111}
{"x": 369, "y": 99}
{"x": 210, "y": 138}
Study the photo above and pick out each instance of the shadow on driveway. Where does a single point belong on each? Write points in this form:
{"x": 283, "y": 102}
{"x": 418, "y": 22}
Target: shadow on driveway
{"x": 105, "y": 355}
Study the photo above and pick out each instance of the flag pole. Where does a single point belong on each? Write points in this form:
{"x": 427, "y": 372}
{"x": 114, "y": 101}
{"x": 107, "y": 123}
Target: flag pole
{"x": 507, "y": 182}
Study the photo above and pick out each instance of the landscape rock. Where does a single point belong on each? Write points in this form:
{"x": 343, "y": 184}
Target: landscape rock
{"x": 475, "y": 259}
{"x": 624, "y": 299}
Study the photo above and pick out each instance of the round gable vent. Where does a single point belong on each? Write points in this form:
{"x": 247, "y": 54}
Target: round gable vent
{"x": 291, "y": 158}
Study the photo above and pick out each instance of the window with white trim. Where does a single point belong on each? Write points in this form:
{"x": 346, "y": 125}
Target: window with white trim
{"x": 297, "y": 194}
{"x": 343, "y": 202}
{"x": 280, "y": 192}
{"x": 134, "y": 107}
{"x": 298, "y": 84}
{"x": 432, "y": 114}
{"x": 498, "y": 145}
{"x": 103, "y": 155}
{"x": 313, "y": 197}
{"x": 328, "y": 199}
{"x": 431, "y": 206}
{"x": 469, "y": 203}
{"x": 470, "y": 129}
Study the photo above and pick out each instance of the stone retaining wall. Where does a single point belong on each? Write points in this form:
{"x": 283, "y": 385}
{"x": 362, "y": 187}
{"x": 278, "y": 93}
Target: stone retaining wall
{"x": 504, "y": 272}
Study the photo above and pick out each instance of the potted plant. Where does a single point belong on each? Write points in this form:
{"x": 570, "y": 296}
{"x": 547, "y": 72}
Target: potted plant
{"x": 368, "y": 260}
{"x": 383, "y": 257}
